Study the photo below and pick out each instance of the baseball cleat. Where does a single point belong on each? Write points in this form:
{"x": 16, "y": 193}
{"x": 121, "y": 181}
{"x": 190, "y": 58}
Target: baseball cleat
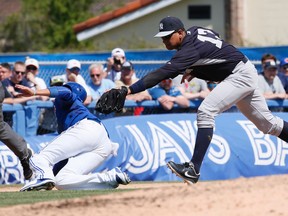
{"x": 122, "y": 177}
{"x": 26, "y": 166}
{"x": 186, "y": 171}
{"x": 39, "y": 184}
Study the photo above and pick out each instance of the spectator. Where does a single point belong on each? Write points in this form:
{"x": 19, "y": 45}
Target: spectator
{"x": 283, "y": 73}
{"x": 211, "y": 85}
{"x": 17, "y": 77}
{"x": 269, "y": 83}
{"x": 35, "y": 82}
{"x": 267, "y": 57}
{"x": 73, "y": 75}
{"x": 49, "y": 122}
{"x": 5, "y": 71}
{"x": 127, "y": 78}
{"x": 114, "y": 64}
{"x": 195, "y": 89}
{"x": 98, "y": 84}
{"x": 168, "y": 95}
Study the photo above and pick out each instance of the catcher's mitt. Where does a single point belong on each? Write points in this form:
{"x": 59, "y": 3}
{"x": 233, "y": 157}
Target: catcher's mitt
{"x": 112, "y": 101}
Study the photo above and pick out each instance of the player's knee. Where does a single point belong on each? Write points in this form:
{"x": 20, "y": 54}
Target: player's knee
{"x": 205, "y": 120}
{"x": 60, "y": 180}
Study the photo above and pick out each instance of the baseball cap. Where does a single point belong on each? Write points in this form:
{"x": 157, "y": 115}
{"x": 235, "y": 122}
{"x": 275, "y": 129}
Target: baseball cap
{"x": 32, "y": 61}
{"x": 270, "y": 64}
{"x": 168, "y": 25}
{"x": 118, "y": 52}
{"x": 73, "y": 63}
{"x": 127, "y": 65}
{"x": 283, "y": 62}
{"x": 57, "y": 80}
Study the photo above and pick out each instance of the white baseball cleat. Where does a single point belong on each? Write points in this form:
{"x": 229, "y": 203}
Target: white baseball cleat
{"x": 39, "y": 184}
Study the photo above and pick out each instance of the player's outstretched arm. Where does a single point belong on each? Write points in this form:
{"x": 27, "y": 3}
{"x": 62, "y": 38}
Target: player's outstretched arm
{"x": 27, "y": 91}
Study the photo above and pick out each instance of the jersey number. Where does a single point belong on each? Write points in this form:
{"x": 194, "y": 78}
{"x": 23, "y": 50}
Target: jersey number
{"x": 212, "y": 38}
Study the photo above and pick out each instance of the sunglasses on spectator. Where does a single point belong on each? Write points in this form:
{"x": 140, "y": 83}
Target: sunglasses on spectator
{"x": 20, "y": 72}
{"x": 31, "y": 68}
{"x": 75, "y": 69}
{"x": 95, "y": 75}
{"x": 285, "y": 67}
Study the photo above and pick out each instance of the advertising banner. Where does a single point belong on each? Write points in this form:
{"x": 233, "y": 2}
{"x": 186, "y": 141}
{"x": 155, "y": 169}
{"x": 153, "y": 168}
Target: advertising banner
{"x": 148, "y": 142}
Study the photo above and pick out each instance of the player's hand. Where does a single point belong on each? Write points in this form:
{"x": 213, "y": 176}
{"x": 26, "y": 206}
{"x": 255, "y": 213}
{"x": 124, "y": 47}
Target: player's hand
{"x": 187, "y": 76}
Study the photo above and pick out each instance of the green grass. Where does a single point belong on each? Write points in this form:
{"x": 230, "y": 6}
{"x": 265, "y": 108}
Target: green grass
{"x": 16, "y": 198}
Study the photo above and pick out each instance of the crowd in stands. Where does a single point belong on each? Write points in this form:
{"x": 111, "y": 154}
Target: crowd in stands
{"x": 119, "y": 71}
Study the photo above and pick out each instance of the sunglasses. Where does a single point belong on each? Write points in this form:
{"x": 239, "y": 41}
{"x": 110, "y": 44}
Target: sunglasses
{"x": 95, "y": 75}
{"x": 20, "y": 72}
{"x": 31, "y": 68}
{"x": 75, "y": 69}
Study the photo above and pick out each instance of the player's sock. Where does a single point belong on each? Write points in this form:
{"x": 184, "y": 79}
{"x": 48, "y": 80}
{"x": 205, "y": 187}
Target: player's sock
{"x": 284, "y": 134}
{"x": 203, "y": 139}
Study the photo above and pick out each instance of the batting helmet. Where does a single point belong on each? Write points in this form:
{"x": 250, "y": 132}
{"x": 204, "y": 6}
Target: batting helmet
{"x": 77, "y": 89}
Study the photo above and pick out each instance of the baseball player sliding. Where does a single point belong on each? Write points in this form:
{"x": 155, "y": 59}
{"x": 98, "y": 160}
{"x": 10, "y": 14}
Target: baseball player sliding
{"x": 82, "y": 145}
{"x": 202, "y": 54}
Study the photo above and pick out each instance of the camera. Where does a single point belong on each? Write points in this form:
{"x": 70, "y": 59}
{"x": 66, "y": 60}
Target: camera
{"x": 117, "y": 61}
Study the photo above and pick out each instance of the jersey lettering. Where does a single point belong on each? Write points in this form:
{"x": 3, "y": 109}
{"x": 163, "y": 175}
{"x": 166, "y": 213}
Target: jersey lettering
{"x": 207, "y": 35}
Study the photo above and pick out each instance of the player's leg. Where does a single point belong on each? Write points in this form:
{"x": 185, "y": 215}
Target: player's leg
{"x": 17, "y": 145}
{"x": 75, "y": 177}
{"x": 234, "y": 88}
{"x": 255, "y": 108}
{"x": 85, "y": 136}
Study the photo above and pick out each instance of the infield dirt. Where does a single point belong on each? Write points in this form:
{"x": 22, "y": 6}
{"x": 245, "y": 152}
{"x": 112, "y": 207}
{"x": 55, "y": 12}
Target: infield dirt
{"x": 260, "y": 196}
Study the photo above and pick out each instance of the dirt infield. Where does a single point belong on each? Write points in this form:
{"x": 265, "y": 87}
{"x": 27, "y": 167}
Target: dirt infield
{"x": 249, "y": 197}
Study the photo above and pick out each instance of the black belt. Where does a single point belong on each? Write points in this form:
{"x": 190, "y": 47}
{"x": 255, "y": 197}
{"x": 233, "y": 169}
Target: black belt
{"x": 245, "y": 60}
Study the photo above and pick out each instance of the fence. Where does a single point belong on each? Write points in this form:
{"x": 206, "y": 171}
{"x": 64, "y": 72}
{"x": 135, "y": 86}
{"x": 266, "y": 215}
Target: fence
{"x": 26, "y": 117}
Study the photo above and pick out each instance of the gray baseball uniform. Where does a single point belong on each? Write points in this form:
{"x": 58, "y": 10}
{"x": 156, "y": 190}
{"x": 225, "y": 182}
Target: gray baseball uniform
{"x": 12, "y": 140}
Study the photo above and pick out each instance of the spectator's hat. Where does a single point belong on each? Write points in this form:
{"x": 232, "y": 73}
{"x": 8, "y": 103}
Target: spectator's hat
{"x": 127, "y": 65}
{"x": 57, "y": 80}
{"x": 32, "y": 62}
{"x": 73, "y": 63}
{"x": 169, "y": 25}
{"x": 270, "y": 64}
{"x": 284, "y": 62}
{"x": 118, "y": 52}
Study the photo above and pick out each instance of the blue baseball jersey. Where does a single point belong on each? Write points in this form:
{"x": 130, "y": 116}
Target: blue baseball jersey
{"x": 69, "y": 109}
{"x": 202, "y": 53}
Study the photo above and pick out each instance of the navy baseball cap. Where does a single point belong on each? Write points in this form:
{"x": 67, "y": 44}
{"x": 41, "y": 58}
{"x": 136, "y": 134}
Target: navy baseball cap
{"x": 168, "y": 25}
{"x": 127, "y": 65}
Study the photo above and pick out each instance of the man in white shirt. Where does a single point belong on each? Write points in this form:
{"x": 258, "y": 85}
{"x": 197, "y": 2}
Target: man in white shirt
{"x": 73, "y": 75}
{"x": 32, "y": 71}
{"x": 114, "y": 65}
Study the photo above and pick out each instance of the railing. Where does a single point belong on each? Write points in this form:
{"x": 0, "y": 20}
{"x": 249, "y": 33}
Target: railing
{"x": 26, "y": 117}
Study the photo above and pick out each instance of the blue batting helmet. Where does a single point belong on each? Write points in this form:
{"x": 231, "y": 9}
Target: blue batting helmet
{"x": 77, "y": 89}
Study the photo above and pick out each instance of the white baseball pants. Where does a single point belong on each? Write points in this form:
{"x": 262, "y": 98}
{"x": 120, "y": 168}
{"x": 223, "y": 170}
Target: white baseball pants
{"x": 87, "y": 145}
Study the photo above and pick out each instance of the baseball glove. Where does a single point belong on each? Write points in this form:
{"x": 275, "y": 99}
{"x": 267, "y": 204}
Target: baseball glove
{"x": 112, "y": 101}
